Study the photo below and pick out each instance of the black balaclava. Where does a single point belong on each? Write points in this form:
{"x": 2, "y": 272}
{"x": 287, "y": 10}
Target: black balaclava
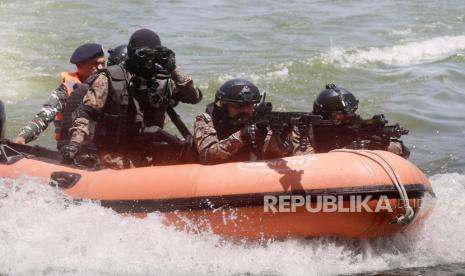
{"x": 143, "y": 38}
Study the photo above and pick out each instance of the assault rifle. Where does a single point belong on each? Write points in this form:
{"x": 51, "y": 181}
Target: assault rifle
{"x": 325, "y": 135}
{"x": 264, "y": 114}
{"x": 355, "y": 133}
{"x": 282, "y": 122}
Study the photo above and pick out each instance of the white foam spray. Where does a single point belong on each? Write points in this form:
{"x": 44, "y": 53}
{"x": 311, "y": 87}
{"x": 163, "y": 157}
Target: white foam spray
{"x": 403, "y": 54}
{"x": 42, "y": 232}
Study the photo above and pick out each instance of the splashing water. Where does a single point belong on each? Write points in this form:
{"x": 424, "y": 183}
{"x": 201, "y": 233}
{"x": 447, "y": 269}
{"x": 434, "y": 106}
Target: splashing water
{"x": 41, "y": 231}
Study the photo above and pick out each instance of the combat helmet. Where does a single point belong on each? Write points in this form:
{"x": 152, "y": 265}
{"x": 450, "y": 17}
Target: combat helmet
{"x": 239, "y": 91}
{"x": 117, "y": 55}
{"x": 333, "y": 100}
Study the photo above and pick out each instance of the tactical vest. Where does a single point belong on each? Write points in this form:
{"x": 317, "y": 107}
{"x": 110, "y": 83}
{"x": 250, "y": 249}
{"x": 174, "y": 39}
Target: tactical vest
{"x": 72, "y": 103}
{"x": 123, "y": 117}
{"x": 69, "y": 81}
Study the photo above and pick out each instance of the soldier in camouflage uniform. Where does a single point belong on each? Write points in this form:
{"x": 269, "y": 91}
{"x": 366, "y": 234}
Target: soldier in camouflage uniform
{"x": 339, "y": 105}
{"x": 88, "y": 58}
{"x": 2, "y": 120}
{"x": 220, "y": 134}
{"x": 128, "y": 102}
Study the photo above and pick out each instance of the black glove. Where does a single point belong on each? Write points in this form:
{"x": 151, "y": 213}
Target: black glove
{"x": 70, "y": 151}
{"x": 282, "y": 131}
{"x": 254, "y": 134}
{"x": 168, "y": 62}
{"x": 286, "y": 130}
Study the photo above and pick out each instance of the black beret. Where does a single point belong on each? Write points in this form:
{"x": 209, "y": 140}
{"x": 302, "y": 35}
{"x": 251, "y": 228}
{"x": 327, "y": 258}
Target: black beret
{"x": 85, "y": 52}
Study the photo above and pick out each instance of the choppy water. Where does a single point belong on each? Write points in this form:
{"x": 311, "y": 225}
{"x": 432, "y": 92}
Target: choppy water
{"x": 402, "y": 58}
{"x": 42, "y": 233}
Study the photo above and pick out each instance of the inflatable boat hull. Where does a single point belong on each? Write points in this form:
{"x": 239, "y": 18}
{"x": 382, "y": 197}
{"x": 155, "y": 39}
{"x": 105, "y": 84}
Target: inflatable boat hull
{"x": 273, "y": 199}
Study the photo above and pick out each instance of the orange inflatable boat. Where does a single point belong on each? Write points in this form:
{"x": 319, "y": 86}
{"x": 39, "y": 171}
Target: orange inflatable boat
{"x": 357, "y": 194}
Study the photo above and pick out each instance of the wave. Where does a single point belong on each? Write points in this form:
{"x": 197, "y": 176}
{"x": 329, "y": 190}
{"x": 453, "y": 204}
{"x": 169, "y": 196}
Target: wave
{"x": 43, "y": 232}
{"x": 271, "y": 72}
{"x": 405, "y": 54}
{"x": 439, "y": 49}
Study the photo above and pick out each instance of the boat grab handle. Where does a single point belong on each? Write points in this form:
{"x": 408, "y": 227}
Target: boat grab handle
{"x": 8, "y": 155}
{"x": 395, "y": 177}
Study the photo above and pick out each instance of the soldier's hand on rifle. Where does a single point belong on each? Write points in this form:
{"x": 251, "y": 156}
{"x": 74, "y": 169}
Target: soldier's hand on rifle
{"x": 287, "y": 129}
{"x": 254, "y": 134}
{"x": 282, "y": 130}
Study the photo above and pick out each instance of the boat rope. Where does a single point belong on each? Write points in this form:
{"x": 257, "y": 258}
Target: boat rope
{"x": 393, "y": 174}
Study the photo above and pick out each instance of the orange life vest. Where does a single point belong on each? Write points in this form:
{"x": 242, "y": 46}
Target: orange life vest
{"x": 69, "y": 81}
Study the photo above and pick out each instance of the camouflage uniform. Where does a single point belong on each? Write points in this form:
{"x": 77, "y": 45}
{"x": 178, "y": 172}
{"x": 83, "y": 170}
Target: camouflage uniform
{"x": 55, "y": 103}
{"x": 181, "y": 88}
{"x": 299, "y": 149}
{"x": 211, "y": 149}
